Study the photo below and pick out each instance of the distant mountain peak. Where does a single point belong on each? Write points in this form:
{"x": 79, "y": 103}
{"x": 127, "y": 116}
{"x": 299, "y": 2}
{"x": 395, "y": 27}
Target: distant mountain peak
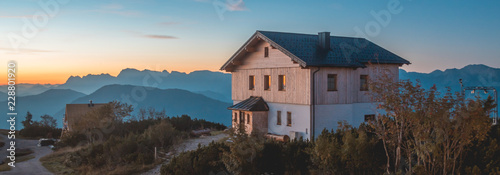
{"x": 470, "y": 67}
{"x": 136, "y": 72}
{"x": 476, "y": 66}
{"x": 96, "y": 75}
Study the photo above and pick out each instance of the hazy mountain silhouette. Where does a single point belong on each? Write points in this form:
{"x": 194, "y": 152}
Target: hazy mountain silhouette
{"x": 472, "y": 75}
{"x": 213, "y": 84}
{"x": 28, "y": 89}
{"x": 3, "y": 96}
{"x": 217, "y": 96}
{"x": 49, "y": 102}
{"x": 174, "y": 101}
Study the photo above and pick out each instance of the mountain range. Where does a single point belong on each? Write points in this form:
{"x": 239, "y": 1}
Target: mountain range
{"x": 200, "y": 94}
{"x": 213, "y": 84}
{"x": 49, "y": 102}
{"x": 176, "y": 102}
{"x": 471, "y": 75}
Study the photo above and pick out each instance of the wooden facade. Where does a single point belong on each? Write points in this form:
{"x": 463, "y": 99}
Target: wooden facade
{"x": 348, "y": 83}
{"x": 298, "y": 80}
{"x": 253, "y": 121}
{"x": 255, "y": 64}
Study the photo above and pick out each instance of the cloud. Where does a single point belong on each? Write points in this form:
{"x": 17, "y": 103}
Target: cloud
{"x": 231, "y": 5}
{"x": 25, "y": 16}
{"x": 153, "y": 36}
{"x": 24, "y": 50}
{"x": 160, "y": 36}
{"x": 236, "y": 6}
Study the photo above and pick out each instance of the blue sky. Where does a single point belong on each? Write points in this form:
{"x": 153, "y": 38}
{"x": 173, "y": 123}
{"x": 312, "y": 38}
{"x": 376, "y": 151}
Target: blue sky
{"x": 108, "y": 35}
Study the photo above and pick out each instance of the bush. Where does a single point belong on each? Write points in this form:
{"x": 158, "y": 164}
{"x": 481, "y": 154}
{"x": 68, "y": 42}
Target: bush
{"x": 37, "y": 129}
{"x": 186, "y": 124}
{"x": 133, "y": 143}
{"x": 484, "y": 156}
{"x": 205, "y": 160}
{"x": 348, "y": 150}
{"x": 133, "y": 149}
{"x": 161, "y": 135}
{"x": 72, "y": 139}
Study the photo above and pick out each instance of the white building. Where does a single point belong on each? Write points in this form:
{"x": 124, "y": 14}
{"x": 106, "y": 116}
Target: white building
{"x": 296, "y": 85}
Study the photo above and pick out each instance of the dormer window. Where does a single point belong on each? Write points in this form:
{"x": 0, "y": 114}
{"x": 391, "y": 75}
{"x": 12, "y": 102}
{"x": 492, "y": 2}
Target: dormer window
{"x": 266, "y": 52}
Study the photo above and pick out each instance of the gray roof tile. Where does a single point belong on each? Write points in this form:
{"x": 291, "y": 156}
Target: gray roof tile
{"x": 251, "y": 104}
{"x": 343, "y": 52}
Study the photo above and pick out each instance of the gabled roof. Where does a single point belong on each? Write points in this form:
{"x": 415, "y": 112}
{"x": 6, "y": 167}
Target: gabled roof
{"x": 304, "y": 50}
{"x": 251, "y": 104}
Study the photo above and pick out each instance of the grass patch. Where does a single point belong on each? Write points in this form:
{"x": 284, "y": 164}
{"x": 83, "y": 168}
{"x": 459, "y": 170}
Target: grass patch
{"x": 5, "y": 166}
{"x": 54, "y": 162}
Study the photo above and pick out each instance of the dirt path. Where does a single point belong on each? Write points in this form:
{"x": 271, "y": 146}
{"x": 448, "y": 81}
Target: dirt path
{"x": 32, "y": 166}
{"x": 188, "y": 145}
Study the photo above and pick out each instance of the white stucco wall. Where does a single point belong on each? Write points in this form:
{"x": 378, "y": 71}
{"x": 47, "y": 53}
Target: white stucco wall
{"x": 328, "y": 116}
{"x": 300, "y": 119}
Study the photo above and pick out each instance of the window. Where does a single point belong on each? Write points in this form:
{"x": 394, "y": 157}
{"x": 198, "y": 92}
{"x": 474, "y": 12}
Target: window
{"x": 282, "y": 82}
{"x": 234, "y": 117}
{"x": 251, "y": 82}
{"x": 369, "y": 118}
{"x": 267, "y": 82}
{"x": 278, "y": 117}
{"x": 363, "y": 83}
{"x": 289, "y": 119}
{"x": 332, "y": 82}
{"x": 266, "y": 52}
{"x": 248, "y": 118}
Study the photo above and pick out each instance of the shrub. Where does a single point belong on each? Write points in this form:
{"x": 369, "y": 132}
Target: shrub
{"x": 37, "y": 129}
{"x": 205, "y": 160}
{"x": 161, "y": 135}
{"x": 348, "y": 150}
{"x": 72, "y": 139}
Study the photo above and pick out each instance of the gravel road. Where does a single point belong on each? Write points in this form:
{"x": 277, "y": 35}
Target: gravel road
{"x": 188, "y": 145}
{"x": 32, "y": 166}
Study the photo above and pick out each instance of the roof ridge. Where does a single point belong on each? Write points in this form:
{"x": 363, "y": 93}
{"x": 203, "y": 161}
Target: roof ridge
{"x": 310, "y": 34}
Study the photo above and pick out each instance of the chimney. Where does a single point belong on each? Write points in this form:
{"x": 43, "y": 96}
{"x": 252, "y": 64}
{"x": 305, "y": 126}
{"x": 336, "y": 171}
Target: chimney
{"x": 90, "y": 103}
{"x": 324, "y": 40}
